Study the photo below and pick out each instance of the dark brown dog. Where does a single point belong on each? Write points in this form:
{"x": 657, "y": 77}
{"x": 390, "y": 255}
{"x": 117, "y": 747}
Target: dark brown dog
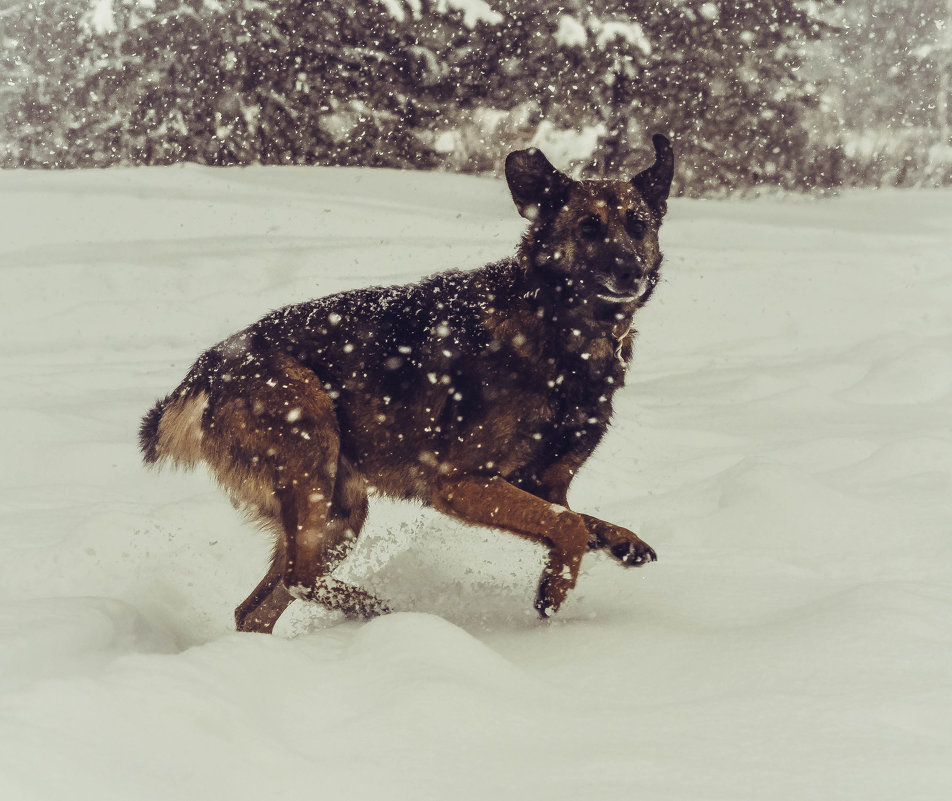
{"x": 480, "y": 393}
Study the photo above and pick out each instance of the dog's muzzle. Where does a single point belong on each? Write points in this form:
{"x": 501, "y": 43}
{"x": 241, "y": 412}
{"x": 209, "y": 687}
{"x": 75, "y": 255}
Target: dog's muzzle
{"x": 625, "y": 283}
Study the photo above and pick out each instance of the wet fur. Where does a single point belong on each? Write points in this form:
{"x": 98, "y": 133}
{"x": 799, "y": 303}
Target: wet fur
{"x": 480, "y": 393}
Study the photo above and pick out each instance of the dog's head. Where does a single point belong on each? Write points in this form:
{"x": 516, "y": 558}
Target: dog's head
{"x": 598, "y": 238}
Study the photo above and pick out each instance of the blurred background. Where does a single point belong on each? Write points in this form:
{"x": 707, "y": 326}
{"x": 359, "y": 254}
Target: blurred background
{"x": 774, "y": 93}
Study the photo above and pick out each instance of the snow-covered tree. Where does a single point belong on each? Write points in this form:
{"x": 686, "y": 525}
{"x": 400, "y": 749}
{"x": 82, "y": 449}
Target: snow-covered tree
{"x": 885, "y": 70}
{"x": 405, "y": 82}
{"x": 43, "y": 113}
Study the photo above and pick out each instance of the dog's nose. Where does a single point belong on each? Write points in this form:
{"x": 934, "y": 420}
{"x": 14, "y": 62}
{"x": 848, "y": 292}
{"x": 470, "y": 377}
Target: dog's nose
{"x": 628, "y": 272}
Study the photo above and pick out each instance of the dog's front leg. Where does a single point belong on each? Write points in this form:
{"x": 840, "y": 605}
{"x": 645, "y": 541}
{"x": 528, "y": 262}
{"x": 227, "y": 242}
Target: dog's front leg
{"x": 496, "y": 503}
{"x": 624, "y": 545}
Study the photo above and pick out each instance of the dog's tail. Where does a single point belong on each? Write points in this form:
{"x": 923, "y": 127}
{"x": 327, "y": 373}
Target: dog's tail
{"x": 173, "y": 429}
{"x": 149, "y": 432}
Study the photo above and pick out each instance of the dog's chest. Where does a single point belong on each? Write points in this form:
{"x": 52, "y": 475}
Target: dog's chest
{"x": 586, "y": 384}
{"x": 573, "y": 381}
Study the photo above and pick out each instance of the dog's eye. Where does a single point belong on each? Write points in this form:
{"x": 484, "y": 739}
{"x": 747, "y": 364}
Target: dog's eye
{"x": 636, "y": 227}
{"x": 591, "y": 227}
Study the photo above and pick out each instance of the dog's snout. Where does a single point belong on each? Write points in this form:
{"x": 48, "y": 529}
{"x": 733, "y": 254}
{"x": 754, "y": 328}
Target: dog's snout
{"x": 628, "y": 271}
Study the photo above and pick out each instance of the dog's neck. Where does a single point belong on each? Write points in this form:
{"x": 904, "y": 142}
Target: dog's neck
{"x": 564, "y": 305}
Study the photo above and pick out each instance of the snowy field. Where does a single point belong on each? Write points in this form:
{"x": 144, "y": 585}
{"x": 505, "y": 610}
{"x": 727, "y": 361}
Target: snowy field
{"x": 785, "y": 443}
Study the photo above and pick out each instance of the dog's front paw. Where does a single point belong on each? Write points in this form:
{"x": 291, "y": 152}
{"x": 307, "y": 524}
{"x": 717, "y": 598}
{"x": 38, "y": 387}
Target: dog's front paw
{"x": 624, "y": 545}
{"x": 556, "y": 582}
{"x": 633, "y": 553}
{"x": 548, "y": 600}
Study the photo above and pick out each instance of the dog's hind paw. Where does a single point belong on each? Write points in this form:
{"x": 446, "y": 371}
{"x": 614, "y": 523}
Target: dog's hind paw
{"x": 353, "y": 601}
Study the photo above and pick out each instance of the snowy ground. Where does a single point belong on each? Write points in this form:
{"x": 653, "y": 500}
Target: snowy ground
{"x": 784, "y": 443}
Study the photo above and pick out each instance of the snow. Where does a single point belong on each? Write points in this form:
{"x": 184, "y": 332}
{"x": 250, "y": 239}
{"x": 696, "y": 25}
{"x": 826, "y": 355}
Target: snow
{"x": 473, "y": 11}
{"x": 573, "y": 33}
{"x": 630, "y": 32}
{"x": 570, "y": 32}
{"x": 395, "y": 8}
{"x": 710, "y": 11}
{"x": 567, "y": 145}
{"x": 101, "y": 17}
{"x": 784, "y": 444}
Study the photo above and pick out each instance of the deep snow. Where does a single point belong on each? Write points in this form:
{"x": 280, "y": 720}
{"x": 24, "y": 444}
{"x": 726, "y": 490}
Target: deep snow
{"x": 784, "y": 443}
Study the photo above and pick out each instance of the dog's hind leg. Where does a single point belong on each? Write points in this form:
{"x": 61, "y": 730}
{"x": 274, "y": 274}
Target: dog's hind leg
{"x": 261, "y": 610}
{"x": 271, "y": 436}
{"x": 345, "y": 517}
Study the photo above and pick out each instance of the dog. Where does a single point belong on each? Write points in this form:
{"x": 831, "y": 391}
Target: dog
{"x": 480, "y": 393}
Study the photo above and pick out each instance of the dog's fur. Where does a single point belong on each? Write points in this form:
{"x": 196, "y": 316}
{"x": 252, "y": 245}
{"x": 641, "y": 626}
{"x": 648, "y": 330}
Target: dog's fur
{"x": 480, "y": 393}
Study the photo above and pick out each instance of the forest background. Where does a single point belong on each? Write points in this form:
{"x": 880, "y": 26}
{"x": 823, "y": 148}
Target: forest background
{"x": 774, "y": 93}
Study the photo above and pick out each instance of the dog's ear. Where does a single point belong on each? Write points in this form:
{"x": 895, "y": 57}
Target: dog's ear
{"x": 536, "y": 186}
{"x": 654, "y": 184}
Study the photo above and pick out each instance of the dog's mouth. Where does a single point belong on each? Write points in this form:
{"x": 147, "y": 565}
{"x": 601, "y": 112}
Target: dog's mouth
{"x": 610, "y": 293}
{"x": 614, "y": 297}
{"x": 607, "y": 290}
